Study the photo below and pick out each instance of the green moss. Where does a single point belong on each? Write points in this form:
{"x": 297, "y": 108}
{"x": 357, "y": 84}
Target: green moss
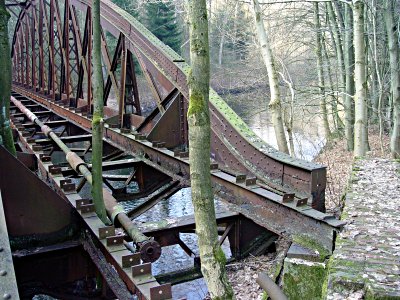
{"x": 378, "y": 295}
{"x": 196, "y": 104}
{"x": 97, "y": 119}
{"x": 303, "y": 281}
{"x": 278, "y": 270}
{"x": 310, "y": 243}
{"x": 264, "y": 296}
{"x": 219, "y": 255}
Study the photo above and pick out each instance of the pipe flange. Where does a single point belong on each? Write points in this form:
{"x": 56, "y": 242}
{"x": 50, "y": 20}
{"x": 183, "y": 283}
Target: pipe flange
{"x": 150, "y": 251}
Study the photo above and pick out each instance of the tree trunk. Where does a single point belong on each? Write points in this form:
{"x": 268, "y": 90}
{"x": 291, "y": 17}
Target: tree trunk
{"x": 391, "y": 28}
{"x": 222, "y": 40}
{"x": 337, "y": 122}
{"x": 349, "y": 59}
{"x": 360, "y": 126}
{"x": 97, "y": 121}
{"x": 339, "y": 47}
{"x": 321, "y": 80}
{"x": 6, "y": 138}
{"x": 275, "y": 107}
{"x": 212, "y": 257}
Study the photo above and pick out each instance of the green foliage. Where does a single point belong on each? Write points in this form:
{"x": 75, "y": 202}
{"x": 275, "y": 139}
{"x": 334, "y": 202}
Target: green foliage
{"x": 161, "y": 20}
{"x": 130, "y": 6}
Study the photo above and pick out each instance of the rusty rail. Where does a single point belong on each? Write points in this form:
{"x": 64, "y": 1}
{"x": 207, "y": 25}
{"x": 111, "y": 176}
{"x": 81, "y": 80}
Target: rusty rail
{"x": 150, "y": 250}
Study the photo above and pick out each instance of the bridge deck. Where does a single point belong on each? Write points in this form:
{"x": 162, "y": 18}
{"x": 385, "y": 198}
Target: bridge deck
{"x": 366, "y": 262}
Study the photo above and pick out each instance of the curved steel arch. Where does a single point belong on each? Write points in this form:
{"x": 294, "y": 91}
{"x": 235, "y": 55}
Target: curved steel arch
{"x": 52, "y": 57}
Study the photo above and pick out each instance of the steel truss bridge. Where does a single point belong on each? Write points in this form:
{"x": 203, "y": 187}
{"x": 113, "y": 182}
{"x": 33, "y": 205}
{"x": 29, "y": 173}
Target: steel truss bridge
{"x": 57, "y": 240}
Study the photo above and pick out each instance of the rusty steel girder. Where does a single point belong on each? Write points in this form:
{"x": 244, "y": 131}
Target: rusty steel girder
{"x": 51, "y": 59}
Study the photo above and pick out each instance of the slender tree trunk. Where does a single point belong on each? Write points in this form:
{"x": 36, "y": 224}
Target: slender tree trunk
{"x": 333, "y": 103}
{"x": 212, "y": 257}
{"x": 378, "y": 107}
{"x": 391, "y": 28}
{"x": 374, "y": 86}
{"x": 97, "y": 121}
{"x": 288, "y": 111}
{"x": 6, "y": 138}
{"x": 222, "y": 40}
{"x": 366, "y": 64}
{"x": 339, "y": 48}
{"x": 275, "y": 106}
{"x": 321, "y": 80}
{"x": 349, "y": 59}
{"x": 360, "y": 125}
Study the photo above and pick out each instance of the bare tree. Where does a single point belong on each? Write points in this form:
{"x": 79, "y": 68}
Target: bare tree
{"x": 361, "y": 117}
{"x": 275, "y": 106}
{"x": 321, "y": 81}
{"x": 391, "y": 29}
{"x": 97, "y": 121}
{"x": 212, "y": 257}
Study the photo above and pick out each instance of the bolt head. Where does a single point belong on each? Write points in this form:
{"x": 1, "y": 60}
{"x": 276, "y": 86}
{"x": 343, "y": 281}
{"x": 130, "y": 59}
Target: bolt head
{"x": 3, "y": 272}
{"x": 6, "y": 296}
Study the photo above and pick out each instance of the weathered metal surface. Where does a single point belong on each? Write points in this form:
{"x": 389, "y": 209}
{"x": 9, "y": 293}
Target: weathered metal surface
{"x": 28, "y": 203}
{"x": 8, "y": 286}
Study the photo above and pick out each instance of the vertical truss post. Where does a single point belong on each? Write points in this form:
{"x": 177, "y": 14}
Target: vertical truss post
{"x": 28, "y": 68}
{"x": 41, "y": 54}
{"x": 52, "y": 70}
{"x": 66, "y": 51}
{"x": 133, "y": 84}
{"x": 121, "y": 105}
{"x": 81, "y": 50}
{"x": 89, "y": 31}
{"x": 33, "y": 47}
{"x": 21, "y": 58}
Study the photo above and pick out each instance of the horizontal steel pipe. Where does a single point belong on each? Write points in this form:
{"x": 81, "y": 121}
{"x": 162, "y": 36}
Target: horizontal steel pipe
{"x": 272, "y": 289}
{"x": 150, "y": 250}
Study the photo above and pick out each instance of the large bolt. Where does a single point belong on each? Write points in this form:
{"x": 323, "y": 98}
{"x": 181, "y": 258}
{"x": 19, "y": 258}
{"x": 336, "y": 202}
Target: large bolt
{"x": 6, "y": 296}
{"x": 3, "y": 272}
